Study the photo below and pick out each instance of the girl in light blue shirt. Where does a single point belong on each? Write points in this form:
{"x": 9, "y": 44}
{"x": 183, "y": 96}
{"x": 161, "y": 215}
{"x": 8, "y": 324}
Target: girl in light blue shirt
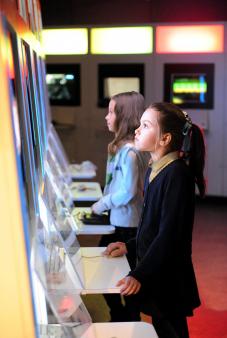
{"x": 123, "y": 192}
{"x": 126, "y": 166}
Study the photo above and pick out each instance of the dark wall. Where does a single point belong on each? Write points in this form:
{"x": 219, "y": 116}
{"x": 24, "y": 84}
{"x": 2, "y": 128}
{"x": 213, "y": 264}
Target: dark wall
{"x": 94, "y": 12}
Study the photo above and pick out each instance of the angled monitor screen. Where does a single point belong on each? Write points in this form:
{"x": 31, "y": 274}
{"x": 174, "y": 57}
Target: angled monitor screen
{"x": 63, "y": 83}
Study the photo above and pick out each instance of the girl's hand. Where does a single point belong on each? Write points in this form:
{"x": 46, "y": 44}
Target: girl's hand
{"x": 97, "y": 208}
{"x": 115, "y": 249}
{"x": 130, "y": 286}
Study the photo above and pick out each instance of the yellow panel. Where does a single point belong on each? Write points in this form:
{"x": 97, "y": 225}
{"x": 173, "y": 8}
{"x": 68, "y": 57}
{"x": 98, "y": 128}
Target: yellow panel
{"x": 16, "y": 312}
{"x": 65, "y": 41}
{"x": 190, "y": 39}
{"x": 122, "y": 40}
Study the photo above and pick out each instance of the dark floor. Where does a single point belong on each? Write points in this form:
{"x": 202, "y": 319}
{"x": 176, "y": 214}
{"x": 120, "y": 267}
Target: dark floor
{"x": 210, "y": 259}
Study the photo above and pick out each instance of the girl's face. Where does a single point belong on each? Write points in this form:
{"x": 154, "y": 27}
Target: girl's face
{"x": 111, "y": 116}
{"x": 147, "y": 136}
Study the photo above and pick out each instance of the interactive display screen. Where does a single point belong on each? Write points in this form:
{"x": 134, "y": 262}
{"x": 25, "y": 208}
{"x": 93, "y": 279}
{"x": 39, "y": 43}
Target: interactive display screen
{"x": 117, "y": 85}
{"x": 63, "y": 83}
{"x": 118, "y": 78}
{"x": 189, "y": 85}
{"x": 189, "y": 88}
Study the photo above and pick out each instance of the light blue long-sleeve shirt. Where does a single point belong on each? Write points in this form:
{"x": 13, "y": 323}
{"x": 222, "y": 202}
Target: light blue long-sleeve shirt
{"x": 123, "y": 196}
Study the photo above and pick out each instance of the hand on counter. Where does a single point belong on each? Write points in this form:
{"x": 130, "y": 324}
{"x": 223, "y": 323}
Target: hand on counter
{"x": 115, "y": 249}
{"x": 129, "y": 286}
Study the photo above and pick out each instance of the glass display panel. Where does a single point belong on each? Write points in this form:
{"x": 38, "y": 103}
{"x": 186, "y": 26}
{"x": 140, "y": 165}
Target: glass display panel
{"x": 59, "y": 209}
{"x": 56, "y": 143}
{"x": 64, "y": 238}
{"x": 55, "y": 146}
{"x": 58, "y": 274}
{"x": 118, "y": 78}
{"x": 60, "y": 284}
{"x": 60, "y": 165}
{"x": 61, "y": 232}
{"x": 60, "y": 180}
{"x": 189, "y": 85}
{"x": 70, "y": 170}
{"x": 63, "y": 83}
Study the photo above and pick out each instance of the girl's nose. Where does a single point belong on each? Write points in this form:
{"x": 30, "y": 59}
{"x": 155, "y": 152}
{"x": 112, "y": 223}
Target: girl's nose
{"x": 137, "y": 130}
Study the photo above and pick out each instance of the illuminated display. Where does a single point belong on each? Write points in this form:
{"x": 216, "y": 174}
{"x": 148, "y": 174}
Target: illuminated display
{"x": 190, "y": 39}
{"x": 189, "y": 88}
{"x": 65, "y": 41}
{"x": 119, "y": 78}
{"x": 63, "y": 83}
{"x": 122, "y": 40}
{"x": 117, "y": 85}
{"x": 189, "y": 85}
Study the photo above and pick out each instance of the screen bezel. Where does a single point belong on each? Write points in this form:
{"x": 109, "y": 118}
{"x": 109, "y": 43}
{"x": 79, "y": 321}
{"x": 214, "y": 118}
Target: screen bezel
{"x": 74, "y": 69}
{"x": 133, "y": 70}
{"x": 190, "y": 69}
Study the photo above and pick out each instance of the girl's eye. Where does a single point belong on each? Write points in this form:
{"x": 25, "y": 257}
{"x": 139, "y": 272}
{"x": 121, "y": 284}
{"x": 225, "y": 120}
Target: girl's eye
{"x": 144, "y": 125}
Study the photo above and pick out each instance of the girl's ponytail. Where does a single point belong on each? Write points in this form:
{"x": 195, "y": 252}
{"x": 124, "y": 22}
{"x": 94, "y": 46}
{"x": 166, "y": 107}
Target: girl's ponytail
{"x": 196, "y": 160}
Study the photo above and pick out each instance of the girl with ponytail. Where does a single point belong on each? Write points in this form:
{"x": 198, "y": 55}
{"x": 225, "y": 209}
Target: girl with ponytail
{"x": 164, "y": 278}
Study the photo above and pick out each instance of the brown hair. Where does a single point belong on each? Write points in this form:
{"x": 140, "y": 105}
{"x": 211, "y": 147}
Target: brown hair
{"x": 128, "y": 110}
{"x": 173, "y": 120}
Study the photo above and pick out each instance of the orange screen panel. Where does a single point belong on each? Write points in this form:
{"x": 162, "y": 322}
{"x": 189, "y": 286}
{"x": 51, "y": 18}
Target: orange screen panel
{"x": 190, "y": 39}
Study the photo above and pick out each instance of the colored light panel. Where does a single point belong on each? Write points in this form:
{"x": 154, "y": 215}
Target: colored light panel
{"x": 122, "y": 40}
{"x": 190, "y": 39}
{"x": 65, "y": 41}
{"x": 189, "y": 86}
{"x": 189, "y": 89}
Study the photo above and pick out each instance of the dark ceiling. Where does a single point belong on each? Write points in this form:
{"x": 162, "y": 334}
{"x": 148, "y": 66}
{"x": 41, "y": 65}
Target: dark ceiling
{"x": 95, "y": 12}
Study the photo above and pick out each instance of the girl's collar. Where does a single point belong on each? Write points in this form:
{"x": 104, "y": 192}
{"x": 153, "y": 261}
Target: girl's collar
{"x": 162, "y": 163}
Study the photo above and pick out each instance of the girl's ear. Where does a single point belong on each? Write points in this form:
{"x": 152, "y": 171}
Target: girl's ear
{"x": 166, "y": 139}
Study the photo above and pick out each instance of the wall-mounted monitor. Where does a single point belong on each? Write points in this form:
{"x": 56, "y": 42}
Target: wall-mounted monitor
{"x": 118, "y": 78}
{"x": 63, "y": 83}
{"x": 189, "y": 85}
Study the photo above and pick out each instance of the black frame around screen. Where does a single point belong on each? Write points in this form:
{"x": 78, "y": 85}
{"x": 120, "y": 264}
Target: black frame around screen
{"x": 190, "y": 68}
{"x": 118, "y": 70}
{"x": 66, "y": 69}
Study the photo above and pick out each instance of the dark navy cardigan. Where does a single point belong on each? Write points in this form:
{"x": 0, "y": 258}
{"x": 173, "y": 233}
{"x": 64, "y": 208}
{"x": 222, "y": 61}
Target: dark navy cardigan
{"x": 164, "y": 240}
